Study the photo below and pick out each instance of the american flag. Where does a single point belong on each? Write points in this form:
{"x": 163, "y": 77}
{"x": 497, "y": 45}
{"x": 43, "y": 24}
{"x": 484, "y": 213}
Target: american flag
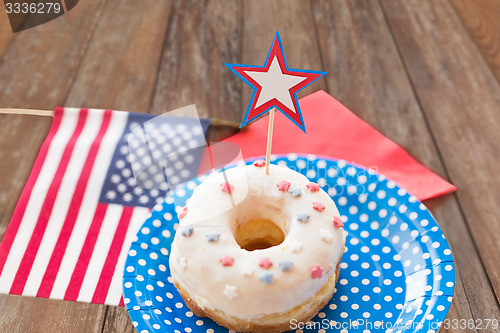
{"x": 94, "y": 182}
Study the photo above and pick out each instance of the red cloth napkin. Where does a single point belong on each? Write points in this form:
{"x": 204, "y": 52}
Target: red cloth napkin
{"x": 334, "y": 131}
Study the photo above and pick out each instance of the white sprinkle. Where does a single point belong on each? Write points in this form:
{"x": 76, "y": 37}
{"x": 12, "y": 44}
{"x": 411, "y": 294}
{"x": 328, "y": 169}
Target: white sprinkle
{"x": 183, "y": 262}
{"x": 326, "y": 235}
{"x": 230, "y": 291}
{"x": 246, "y": 269}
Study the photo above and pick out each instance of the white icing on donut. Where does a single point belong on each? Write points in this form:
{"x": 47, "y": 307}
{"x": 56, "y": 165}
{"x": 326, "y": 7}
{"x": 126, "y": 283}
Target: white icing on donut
{"x": 263, "y": 281}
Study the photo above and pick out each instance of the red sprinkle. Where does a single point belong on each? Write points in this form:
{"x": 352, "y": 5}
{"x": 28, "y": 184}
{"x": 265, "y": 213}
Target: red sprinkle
{"x": 259, "y": 163}
{"x": 182, "y": 213}
{"x": 265, "y": 262}
{"x": 313, "y": 187}
{"x": 226, "y": 187}
{"x": 337, "y": 222}
{"x": 318, "y": 206}
{"x": 283, "y": 185}
{"x": 317, "y": 272}
{"x": 227, "y": 260}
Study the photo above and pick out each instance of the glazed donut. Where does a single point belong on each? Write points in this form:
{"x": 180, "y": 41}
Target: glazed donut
{"x": 253, "y": 251}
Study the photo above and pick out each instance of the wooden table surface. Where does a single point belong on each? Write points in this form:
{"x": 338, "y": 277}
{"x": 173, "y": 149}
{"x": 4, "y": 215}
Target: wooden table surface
{"x": 424, "y": 73}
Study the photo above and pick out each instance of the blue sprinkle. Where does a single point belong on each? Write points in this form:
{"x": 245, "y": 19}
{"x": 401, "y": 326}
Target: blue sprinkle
{"x": 285, "y": 265}
{"x": 267, "y": 278}
{"x": 187, "y": 231}
{"x": 295, "y": 191}
{"x": 303, "y": 217}
{"x": 213, "y": 236}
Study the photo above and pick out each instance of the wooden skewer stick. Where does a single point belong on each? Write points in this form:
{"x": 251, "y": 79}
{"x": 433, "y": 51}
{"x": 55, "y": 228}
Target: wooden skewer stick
{"x": 269, "y": 139}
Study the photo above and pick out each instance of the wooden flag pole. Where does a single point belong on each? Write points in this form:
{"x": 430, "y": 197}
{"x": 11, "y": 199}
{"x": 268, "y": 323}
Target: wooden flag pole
{"x": 269, "y": 139}
{"x": 218, "y": 129}
{"x": 30, "y": 112}
{"x": 49, "y": 113}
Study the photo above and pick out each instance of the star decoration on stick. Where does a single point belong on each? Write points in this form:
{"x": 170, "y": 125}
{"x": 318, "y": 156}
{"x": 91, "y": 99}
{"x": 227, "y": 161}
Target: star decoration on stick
{"x": 275, "y": 85}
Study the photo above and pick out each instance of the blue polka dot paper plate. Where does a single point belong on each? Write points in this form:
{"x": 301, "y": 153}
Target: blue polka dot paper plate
{"x": 397, "y": 273}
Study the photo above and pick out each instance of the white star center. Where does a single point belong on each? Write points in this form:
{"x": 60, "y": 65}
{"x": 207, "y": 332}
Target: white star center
{"x": 275, "y": 84}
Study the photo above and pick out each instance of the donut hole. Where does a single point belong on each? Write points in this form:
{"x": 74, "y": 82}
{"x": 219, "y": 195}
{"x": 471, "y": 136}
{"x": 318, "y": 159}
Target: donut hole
{"x": 259, "y": 221}
{"x": 258, "y": 234}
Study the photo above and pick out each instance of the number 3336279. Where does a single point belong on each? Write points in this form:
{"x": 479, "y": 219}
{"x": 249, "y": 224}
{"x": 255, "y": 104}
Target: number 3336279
{"x": 27, "y": 7}
{"x": 477, "y": 324}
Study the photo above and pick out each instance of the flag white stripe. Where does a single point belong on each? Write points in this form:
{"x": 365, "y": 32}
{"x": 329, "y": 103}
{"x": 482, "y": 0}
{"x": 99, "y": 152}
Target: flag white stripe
{"x": 40, "y": 188}
{"x": 89, "y": 203}
{"x": 115, "y": 289}
{"x": 101, "y": 249}
{"x": 62, "y": 202}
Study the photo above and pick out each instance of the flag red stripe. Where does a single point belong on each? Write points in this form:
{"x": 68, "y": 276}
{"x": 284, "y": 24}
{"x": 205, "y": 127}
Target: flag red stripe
{"x": 18, "y": 214}
{"x": 88, "y": 248}
{"x": 102, "y": 287}
{"x": 72, "y": 214}
{"x": 48, "y": 204}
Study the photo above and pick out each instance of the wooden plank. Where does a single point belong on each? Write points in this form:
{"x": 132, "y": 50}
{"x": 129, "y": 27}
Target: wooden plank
{"x": 200, "y": 39}
{"x": 6, "y": 34}
{"x": 37, "y": 69}
{"x": 366, "y": 74}
{"x": 117, "y": 320}
{"x": 460, "y": 99}
{"x": 22, "y": 314}
{"x": 294, "y": 21}
{"x": 120, "y": 66}
{"x": 474, "y": 298}
{"x": 36, "y": 72}
{"x": 481, "y": 17}
{"x": 370, "y": 79}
